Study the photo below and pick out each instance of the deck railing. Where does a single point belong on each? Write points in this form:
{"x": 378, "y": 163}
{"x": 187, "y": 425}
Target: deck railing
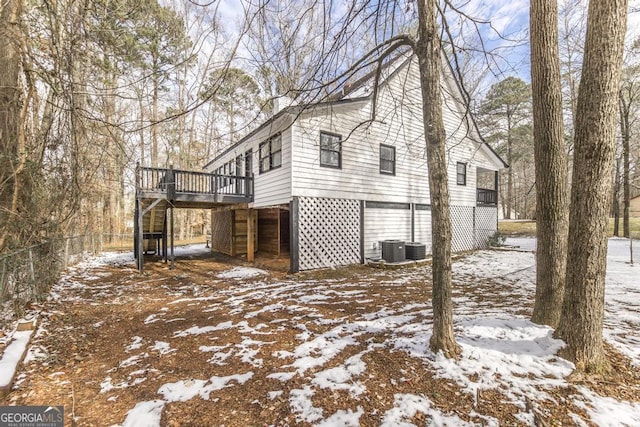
{"x": 486, "y": 196}
{"x": 175, "y": 181}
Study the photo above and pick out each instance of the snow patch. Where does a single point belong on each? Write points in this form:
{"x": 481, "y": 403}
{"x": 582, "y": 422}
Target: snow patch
{"x": 608, "y": 412}
{"x": 406, "y": 406}
{"x": 145, "y": 414}
{"x": 301, "y": 404}
{"x": 343, "y": 419}
{"x": 136, "y": 343}
{"x": 282, "y": 376}
{"x": 341, "y": 377}
{"x": 182, "y": 391}
{"x": 12, "y": 355}
{"x": 241, "y": 273}
{"x": 273, "y": 394}
{"x": 162, "y": 347}
{"x": 198, "y": 330}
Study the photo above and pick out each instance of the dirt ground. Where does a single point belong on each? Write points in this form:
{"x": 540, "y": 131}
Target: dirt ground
{"x": 111, "y": 339}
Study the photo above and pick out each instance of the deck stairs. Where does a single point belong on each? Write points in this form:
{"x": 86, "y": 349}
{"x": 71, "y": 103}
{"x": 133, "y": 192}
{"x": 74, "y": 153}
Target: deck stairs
{"x": 160, "y": 190}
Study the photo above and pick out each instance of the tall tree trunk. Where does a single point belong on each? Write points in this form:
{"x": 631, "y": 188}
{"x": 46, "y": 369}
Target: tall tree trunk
{"x": 428, "y": 52}
{"x": 582, "y": 315}
{"x": 141, "y": 135}
{"x": 154, "y": 121}
{"x": 625, "y": 111}
{"x": 615, "y": 205}
{"x": 10, "y": 115}
{"x": 111, "y": 167}
{"x": 509, "y": 171}
{"x": 550, "y": 163}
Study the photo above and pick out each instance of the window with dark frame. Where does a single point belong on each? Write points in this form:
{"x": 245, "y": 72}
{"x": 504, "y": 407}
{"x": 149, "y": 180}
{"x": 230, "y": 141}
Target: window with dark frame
{"x": 387, "y": 159}
{"x": 330, "y": 150}
{"x": 461, "y": 173}
{"x": 271, "y": 153}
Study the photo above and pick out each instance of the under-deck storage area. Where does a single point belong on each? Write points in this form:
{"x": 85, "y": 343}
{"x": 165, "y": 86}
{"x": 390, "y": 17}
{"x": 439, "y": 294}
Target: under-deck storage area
{"x": 270, "y": 230}
{"x": 273, "y": 231}
{"x": 229, "y": 231}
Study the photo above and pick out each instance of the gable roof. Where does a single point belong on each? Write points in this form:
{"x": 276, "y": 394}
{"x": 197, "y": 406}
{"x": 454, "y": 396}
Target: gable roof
{"x": 473, "y": 121}
{"x": 293, "y": 110}
{"x": 363, "y": 86}
{"x": 362, "y": 90}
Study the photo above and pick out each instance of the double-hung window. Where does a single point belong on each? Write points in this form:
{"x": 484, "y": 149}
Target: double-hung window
{"x": 271, "y": 153}
{"x": 461, "y": 173}
{"x": 387, "y": 159}
{"x": 330, "y": 150}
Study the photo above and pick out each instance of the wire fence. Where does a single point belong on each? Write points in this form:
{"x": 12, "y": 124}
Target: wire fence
{"x": 26, "y": 275}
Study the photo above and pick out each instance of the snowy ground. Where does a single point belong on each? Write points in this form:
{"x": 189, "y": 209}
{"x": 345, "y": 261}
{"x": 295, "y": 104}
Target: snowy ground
{"x": 325, "y": 349}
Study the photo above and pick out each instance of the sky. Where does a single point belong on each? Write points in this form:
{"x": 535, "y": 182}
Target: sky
{"x": 509, "y": 31}
{"x": 504, "y": 32}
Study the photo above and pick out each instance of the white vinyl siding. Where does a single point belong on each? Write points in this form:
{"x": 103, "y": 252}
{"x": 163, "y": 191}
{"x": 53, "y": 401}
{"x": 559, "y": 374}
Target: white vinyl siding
{"x": 460, "y": 148}
{"x": 422, "y": 227}
{"x": 272, "y": 187}
{"x": 398, "y": 124}
{"x": 384, "y": 224}
{"x": 359, "y": 177}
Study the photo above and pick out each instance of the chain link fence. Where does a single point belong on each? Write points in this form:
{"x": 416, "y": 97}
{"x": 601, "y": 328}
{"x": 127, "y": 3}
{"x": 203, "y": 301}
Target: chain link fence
{"x": 26, "y": 275}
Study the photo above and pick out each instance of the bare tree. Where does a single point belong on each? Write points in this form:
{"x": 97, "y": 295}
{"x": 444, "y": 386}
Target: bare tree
{"x": 628, "y": 99}
{"x": 11, "y": 117}
{"x": 572, "y": 24}
{"x": 550, "y": 162}
{"x": 581, "y": 319}
{"x": 328, "y": 68}
{"x": 429, "y": 57}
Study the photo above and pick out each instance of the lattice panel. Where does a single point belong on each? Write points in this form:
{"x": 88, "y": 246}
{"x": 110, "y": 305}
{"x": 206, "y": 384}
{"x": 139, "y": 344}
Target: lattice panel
{"x": 486, "y": 224}
{"x": 462, "y": 238}
{"x": 329, "y": 232}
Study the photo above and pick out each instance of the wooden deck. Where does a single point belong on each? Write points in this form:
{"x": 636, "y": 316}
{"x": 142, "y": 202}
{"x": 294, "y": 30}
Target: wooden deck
{"x": 190, "y": 189}
{"x": 160, "y": 190}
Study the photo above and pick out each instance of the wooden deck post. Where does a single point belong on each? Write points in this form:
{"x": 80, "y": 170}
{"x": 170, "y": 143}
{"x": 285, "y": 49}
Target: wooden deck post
{"x": 138, "y": 221}
{"x": 171, "y": 184}
{"x": 250, "y": 235}
{"x": 172, "y": 240}
{"x": 140, "y": 237}
{"x": 164, "y": 237}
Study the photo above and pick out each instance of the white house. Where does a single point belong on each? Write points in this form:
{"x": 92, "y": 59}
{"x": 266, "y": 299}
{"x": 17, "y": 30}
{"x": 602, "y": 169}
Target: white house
{"x": 330, "y": 185}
